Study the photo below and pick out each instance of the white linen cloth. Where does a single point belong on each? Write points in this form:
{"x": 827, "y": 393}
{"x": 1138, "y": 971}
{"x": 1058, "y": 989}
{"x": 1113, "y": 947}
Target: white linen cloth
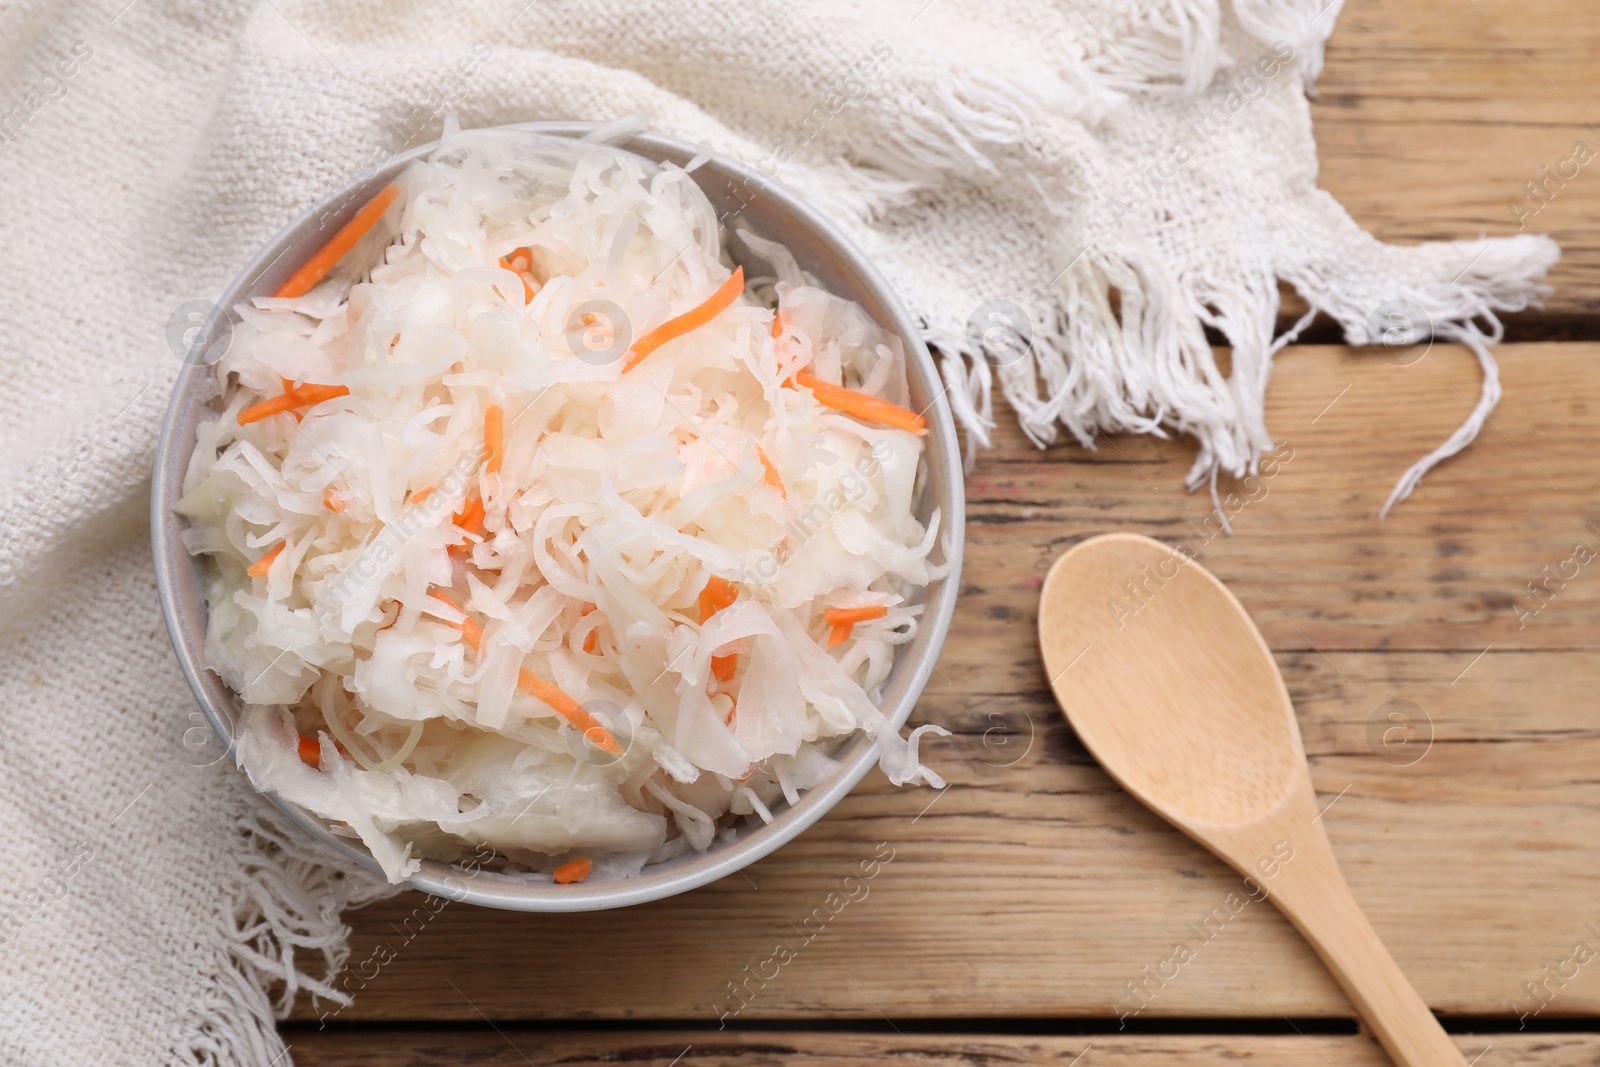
{"x": 1010, "y": 164}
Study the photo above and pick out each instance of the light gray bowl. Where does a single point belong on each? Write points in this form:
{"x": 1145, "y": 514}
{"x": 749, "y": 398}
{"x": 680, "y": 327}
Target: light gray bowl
{"x": 744, "y": 198}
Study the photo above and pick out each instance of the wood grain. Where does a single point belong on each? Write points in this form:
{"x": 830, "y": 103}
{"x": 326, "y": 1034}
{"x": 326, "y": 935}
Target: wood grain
{"x": 1434, "y": 114}
{"x": 513, "y": 1048}
{"x": 1035, "y": 887}
{"x": 1449, "y": 569}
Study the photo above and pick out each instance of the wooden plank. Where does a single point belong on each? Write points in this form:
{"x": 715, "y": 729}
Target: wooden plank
{"x": 1433, "y": 115}
{"x": 513, "y": 1048}
{"x": 1037, "y": 888}
{"x": 1449, "y": 568}
{"x": 1034, "y": 887}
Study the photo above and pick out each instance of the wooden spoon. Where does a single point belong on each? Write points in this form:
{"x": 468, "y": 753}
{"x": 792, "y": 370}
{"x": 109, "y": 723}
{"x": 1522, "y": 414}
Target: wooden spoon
{"x": 1171, "y": 687}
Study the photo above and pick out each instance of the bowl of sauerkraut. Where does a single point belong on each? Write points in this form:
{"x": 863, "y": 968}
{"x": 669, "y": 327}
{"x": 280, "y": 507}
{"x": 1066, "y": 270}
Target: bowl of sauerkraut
{"x": 559, "y": 517}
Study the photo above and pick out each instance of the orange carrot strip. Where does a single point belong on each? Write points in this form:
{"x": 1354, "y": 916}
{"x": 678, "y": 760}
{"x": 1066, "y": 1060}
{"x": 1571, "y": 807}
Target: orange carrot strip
{"x": 733, "y": 709}
{"x": 692, "y": 319}
{"x": 304, "y": 396}
{"x": 536, "y": 687}
{"x": 718, "y": 594}
{"x": 772, "y": 477}
{"x": 864, "y": 406}
{"x": 264, "y": 564}
{"x": 843, "y": 621}
{"x": 469, "y": 629}
{"x": 323, "y": 259}
{"x": 569, "y": 709}
{"x": 518, "y": 261}
{"x": 419, "y": 495}
{"x": 470, "y": 517}
{"x": 592, "y": 637}
{"x": 494, "y": 438}
{"x": 851, "y": 616}
{"x": 777, "y": 325}
{"x": 573, "y": 871}
{"x": 331, "y": 502}
{"x": 310, "y": 752}
{"x": 511, "y": 263}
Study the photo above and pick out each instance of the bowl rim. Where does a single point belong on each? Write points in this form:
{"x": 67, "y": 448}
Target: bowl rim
{"x": 857, "y": 756}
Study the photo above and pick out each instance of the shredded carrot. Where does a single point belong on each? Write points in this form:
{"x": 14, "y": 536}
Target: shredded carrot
{"x": 692, "y": 319}
{"x": 863, "y": 406}
{"x": 772, "y": 477}
{"x": 323, "y": 259}
{"x": 573, "y": 871}
{"x": 332, "y": 502}
{"x": 733, "y": 709}
{"x": 843, "y": 621}
{"x": 469, "y": 629}
{"x": 470, "y": 517}
{"x": 718, "y": 594}
{"x": 298, "y": 397}
{"x": 593, "y": 636}
{"x": 536, "y": 687}
{"x": 264, "y": 564}
{"x": 851, "y": 616}
{"x": 777, "y": 325}
{"x": 419, "y": 495}
{"x": 310, "y": 752}
{"x": 569, "y": 709}
{"x": 494, "y": 438}
{"x": 518, "y": 262}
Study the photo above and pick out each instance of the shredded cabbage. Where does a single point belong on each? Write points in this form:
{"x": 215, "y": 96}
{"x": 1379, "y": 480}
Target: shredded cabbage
{"x": 620, "y": 498}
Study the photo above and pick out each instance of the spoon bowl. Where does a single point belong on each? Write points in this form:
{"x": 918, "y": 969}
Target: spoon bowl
{"x": 1155, "y": 611}
{"x": 1171, "y": 688}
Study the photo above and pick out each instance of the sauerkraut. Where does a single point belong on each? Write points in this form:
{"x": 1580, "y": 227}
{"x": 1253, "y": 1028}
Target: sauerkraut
{"x": 520, "y": 534}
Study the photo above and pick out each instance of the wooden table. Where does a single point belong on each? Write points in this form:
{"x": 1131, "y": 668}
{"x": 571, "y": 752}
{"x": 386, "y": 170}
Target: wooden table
{"x": 1021, "y": 901}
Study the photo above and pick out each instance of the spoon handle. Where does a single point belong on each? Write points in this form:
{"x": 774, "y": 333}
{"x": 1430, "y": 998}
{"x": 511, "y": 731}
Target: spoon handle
{"x": 1312, "y": 892}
